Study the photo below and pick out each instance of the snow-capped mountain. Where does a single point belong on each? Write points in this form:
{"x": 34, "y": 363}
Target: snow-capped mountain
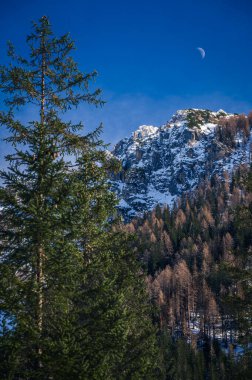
{"x": 160, "y": 163}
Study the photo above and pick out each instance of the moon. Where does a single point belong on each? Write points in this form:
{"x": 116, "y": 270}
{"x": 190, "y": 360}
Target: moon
{"x": 202, "y": 52}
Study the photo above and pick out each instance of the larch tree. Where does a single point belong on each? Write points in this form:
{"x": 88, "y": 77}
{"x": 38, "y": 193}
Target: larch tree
{"x": 72, "y": 300}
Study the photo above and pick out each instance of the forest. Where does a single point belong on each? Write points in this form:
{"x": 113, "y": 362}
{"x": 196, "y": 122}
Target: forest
{"x": 84, "y": 296}
{"x": 197, "y": 258}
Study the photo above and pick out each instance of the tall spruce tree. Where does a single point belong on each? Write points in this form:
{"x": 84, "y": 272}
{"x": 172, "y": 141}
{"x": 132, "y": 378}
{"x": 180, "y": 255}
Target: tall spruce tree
{"x": 72, "y": 300}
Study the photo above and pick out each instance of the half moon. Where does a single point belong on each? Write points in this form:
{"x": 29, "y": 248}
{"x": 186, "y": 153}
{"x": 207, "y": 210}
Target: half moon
{"x": 202, "y": 52}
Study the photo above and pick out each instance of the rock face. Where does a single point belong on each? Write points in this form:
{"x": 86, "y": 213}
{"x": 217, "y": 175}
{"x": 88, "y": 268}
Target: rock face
{"x": 160, "y": 163}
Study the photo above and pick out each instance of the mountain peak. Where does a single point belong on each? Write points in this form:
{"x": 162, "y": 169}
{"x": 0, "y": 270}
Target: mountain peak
{"x": 194, "y": 117}
{"x": 160, "y": 163}
{"x": 144, "y": 131}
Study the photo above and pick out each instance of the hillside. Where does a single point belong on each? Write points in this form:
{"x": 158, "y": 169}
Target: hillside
{"x": 198, "y": 260}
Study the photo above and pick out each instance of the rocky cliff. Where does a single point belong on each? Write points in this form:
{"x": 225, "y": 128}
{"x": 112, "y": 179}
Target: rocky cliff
{"x": 160, "y": 163}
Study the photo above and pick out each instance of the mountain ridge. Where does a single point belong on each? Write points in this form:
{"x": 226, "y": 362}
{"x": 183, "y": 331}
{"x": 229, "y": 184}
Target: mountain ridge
{"x": 159, "y": 164}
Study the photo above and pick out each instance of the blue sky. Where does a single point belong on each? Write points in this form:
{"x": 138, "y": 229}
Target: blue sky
{"x": 145, "y": 53}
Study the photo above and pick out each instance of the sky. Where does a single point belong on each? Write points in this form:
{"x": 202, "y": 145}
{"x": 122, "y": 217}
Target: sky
{"x": 146, "y": 55}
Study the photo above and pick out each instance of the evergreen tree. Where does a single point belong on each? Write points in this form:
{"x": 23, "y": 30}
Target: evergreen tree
{"x": 71, "y": 295}
{"x": 239, "y": 270}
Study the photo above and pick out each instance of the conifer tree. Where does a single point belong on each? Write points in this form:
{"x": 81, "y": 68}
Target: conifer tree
{"x": 239, "y": 299}
{"x": 71, "y": 295}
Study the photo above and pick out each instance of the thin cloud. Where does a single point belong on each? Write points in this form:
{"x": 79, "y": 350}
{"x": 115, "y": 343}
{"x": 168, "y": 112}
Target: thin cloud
{"x": 121, "y": 115}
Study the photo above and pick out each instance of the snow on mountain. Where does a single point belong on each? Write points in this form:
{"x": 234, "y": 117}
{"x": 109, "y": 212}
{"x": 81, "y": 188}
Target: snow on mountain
{"x": 160, "y": 163}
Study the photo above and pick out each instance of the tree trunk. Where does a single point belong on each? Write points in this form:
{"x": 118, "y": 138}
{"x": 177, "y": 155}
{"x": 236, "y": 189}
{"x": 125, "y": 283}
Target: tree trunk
{"x": 40, "y": 251}
{"x": 40, "y": 280}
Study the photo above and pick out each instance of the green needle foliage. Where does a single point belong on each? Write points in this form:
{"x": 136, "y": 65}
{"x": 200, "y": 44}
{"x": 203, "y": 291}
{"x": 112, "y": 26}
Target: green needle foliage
{"x": 72, "y": 298}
